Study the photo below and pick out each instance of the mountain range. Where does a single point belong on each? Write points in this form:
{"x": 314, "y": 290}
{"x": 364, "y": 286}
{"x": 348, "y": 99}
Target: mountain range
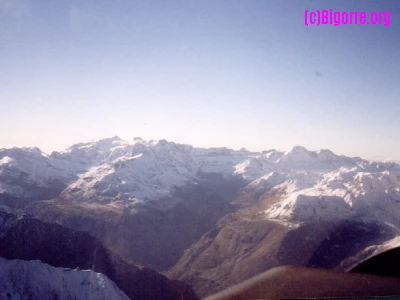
{"x": 210, "y": 217}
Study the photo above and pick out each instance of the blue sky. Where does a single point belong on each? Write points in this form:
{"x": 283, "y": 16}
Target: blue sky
{"x": 209, "y": 73}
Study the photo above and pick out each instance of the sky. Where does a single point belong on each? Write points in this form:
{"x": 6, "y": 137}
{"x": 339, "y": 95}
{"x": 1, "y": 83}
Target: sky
{"x": 232, "y": 73}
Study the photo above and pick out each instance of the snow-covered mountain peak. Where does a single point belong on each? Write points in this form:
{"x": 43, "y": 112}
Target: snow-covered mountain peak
{"x": 6, "y": 160}
{"x": 27, "y": 173}
{"x": 298, "y": 149}
{"x": 34, "y": 150}
{"x": 299, "y": 154}
{"x": 295, "y": 156}
{"x": 111, "y": 169}
{"x": 325, "y": 154}
{"x": 24, "y": 279}
{"x": 136, "y": 139}
{"x": 18, "y": 153}
{"x": 101, "y": 146}
{"x": 343, "y": 193}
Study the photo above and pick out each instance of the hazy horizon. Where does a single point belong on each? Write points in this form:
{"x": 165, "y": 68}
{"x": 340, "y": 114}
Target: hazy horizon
{"x": 49, "y": 151}
{"x": 236, "y": 74}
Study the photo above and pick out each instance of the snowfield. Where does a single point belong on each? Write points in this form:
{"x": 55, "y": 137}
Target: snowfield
{"x": 23, "y": 280}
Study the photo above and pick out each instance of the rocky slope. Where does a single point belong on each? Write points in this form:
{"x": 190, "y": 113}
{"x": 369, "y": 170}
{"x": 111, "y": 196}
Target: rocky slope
{"x": 319, "y": 217}
{"x": 22, "y": 237}
{"x": 147, "y": 234}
